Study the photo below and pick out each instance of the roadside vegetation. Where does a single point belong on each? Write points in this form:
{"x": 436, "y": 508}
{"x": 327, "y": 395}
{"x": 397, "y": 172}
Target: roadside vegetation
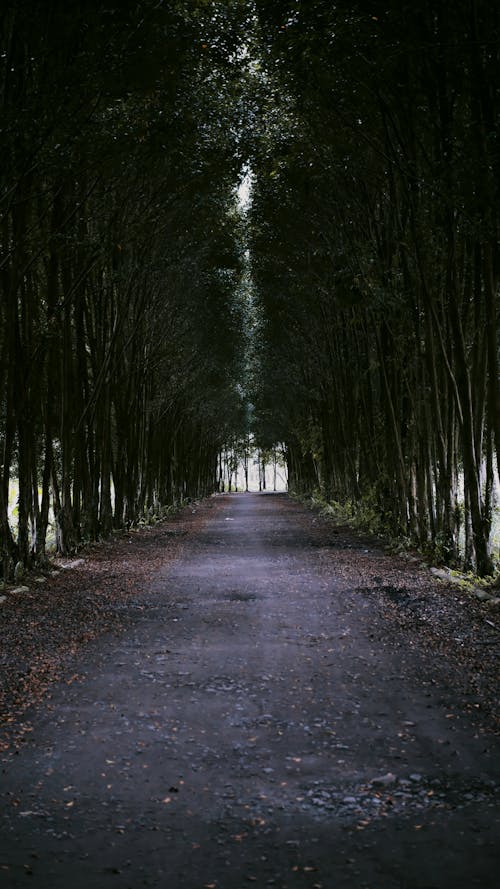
{"x": 375, "y": 261}
{"x": 119, "y": 316}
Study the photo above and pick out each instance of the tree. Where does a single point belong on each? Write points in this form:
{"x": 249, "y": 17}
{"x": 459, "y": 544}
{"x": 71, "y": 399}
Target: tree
{"x": 373, "y": 259}
{"x": 119, "y": 323}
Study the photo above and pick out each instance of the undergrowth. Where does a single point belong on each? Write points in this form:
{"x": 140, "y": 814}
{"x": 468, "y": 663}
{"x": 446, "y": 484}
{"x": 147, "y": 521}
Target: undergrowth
{"x": 362, "y": 516}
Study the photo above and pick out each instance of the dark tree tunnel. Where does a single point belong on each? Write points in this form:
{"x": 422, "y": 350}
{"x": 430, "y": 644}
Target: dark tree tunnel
{"x": 348, "y": 313}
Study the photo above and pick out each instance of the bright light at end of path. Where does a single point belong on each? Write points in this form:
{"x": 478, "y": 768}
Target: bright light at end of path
{"x": 245, "y": 190}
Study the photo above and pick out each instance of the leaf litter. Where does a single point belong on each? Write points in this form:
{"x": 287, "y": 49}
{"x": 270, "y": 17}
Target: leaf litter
{"x": 42, "y": 626}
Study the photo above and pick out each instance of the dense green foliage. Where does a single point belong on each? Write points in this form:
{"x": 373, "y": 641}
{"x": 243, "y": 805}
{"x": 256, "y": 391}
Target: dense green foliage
{"x": 375, "y": 246}
{"x": 357, "y": 301}
{"x": 119, "y": 329}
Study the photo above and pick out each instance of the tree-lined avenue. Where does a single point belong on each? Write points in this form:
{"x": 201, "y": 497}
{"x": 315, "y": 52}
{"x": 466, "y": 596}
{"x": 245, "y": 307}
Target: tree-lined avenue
{"x": 239, "y": 234}
{"x": 347, "y": 313}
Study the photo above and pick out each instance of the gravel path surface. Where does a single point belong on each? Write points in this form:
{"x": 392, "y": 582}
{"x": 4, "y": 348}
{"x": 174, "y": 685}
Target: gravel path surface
{"x": 257, "y": 720}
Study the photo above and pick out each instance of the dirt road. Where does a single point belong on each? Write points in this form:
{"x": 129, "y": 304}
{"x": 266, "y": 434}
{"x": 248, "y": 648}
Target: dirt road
{"x": 256, "y": 723}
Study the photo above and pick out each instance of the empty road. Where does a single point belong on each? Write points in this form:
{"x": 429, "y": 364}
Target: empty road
{"x": 255, "y": 724}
